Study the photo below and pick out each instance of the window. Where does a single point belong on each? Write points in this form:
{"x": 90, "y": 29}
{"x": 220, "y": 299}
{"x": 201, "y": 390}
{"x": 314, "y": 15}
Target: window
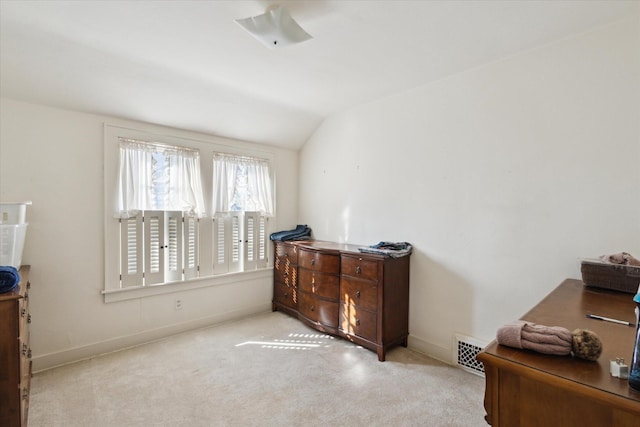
{"x": 169, "y": 223}
{"x": 242, "y": 203}
{"x": 155, "y": 176}
{"x": 159, "y": 197}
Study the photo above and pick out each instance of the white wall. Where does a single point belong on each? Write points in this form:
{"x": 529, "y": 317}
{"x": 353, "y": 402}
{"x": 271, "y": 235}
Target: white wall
{"x": 55, "y": 158}
{"x": 502, "y": 177}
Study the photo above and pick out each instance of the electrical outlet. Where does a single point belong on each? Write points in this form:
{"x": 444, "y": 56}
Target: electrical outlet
{"x": 178, "y": 304}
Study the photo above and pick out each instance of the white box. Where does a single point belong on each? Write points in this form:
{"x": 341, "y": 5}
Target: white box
{"x": 12, "y": 243}
{"x": 13, "y": 213}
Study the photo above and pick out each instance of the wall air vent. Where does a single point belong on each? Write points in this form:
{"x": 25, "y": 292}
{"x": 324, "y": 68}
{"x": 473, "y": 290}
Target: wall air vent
{"x": 465, "y": 351}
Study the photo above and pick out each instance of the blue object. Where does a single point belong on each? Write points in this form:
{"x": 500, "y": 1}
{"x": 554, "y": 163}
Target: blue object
{"x": 301, "y": 232}
{"x": 634, "y": 374}
{"x": 9, "y": 278}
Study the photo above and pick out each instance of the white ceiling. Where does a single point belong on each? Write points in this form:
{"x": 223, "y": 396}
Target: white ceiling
{"x": 187, "y": 64}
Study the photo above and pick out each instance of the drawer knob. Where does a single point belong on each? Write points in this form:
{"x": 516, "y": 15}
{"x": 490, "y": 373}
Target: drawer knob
{"x": 29, "y": 319}
{"x": 285, "y": 274}
{"x": 357, "y": 294}
{"x": 358, "y": 269}
{"x": 25, "y": 393}
{"x": 28, "y": 284}
{"x": 23, "y": 312}
{"x": 357, "y": 322}
{"x": 29, "y": 354}
{"x": 286, "y": 294}
{"x": 24, "y": 349}
{"x": 313, "y": 261}
{"x": 313, "y": 308}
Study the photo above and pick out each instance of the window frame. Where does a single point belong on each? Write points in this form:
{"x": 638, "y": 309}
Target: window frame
{"x": 112, "y": 289}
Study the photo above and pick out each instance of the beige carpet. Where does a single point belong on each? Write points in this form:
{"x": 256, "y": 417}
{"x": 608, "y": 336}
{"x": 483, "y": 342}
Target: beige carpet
{"x": 267, "y": 370}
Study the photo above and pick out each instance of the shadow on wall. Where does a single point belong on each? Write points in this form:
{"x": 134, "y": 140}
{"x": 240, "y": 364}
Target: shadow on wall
{"x": 440, "y": 306}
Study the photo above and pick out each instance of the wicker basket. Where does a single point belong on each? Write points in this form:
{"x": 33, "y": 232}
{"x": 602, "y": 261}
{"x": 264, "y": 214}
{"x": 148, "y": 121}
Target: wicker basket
{"x": 623, "y": 278}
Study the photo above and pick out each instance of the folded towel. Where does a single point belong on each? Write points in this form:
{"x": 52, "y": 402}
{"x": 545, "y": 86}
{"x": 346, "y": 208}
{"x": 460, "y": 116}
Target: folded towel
{"x": 392, "y": 249}
{"x": 510, "y": 334}
{"x": 554, "y": 340}
{"x": 543, "y": 339}
{"x": 301, "y": 232}
{"x": 546, "y": 339}
{"x": 9, "y": 278}
{"x": 622, "y": 258}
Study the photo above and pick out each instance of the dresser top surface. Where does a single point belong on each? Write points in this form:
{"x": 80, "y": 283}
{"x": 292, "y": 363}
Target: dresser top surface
{"x": 567, "y": 306}
{"x": 338, "y": 248}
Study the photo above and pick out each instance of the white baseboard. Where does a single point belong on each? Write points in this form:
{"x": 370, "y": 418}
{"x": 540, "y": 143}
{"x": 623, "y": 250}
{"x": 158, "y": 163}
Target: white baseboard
{"x": 422, "y": 346}
{"x": 55, "y": 359}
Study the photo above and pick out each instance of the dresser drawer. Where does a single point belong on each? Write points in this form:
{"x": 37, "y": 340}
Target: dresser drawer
{"x": 317, "y": 261}
{"x": 318, "y": 310}
{"x": 324, "y": 285}
{"x": 360, "y": 267}
{"x": 286, "y": 252}
{"x": 361, "y": 293}
{"x": 286, "y": 295}
{"x": 285, "y": 272}
{"x": 355, "y": 321}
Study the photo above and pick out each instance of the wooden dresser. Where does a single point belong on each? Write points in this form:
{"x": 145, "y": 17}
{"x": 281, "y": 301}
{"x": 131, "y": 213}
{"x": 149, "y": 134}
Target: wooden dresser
{"x": 524, "y": 388}
{"x": 15, "y": 353}
{"x": 334, "y": 288}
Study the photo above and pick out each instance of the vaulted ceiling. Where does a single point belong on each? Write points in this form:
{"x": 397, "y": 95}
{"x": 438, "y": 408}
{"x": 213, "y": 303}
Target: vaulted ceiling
{"x": 187, "y": 64}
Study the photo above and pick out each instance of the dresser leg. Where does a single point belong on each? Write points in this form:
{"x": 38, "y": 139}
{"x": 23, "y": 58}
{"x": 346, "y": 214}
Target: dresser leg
{"x": 381, "y": 354}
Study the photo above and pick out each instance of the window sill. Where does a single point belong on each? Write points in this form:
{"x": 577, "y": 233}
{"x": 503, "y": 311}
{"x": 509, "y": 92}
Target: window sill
{"x": 135, "y": 292}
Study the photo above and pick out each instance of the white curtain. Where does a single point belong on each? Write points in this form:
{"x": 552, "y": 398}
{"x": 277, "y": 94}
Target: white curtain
{"x": 224, "y": 179}
{"x": 241, "y": 184}
{"x": 157, "y": 177}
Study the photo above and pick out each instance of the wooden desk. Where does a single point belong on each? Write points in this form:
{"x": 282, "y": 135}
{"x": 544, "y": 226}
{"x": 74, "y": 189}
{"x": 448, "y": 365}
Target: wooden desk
{"x": 524, "y": 388}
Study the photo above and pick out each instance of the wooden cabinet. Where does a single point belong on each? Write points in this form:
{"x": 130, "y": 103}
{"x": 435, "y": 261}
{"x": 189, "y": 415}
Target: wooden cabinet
{"x": 525, "y": 388}
{"x": 361, "y": 297}
{"x": 15, "y": 353}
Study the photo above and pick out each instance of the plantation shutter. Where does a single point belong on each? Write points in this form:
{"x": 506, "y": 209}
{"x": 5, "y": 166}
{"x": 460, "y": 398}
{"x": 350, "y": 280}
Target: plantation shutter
{"x": 236, "y": 244}
{"x": 131, "y": 270}
{"x": 262, "y": 242}
{"x": 221, "y": 229}
{"x": 255, "y": 239}
{"x": 173, "y": 246}
{"x": 154, "y": 247}
{"x": 250, "y": 240}
{"x": 191, "y": 255}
